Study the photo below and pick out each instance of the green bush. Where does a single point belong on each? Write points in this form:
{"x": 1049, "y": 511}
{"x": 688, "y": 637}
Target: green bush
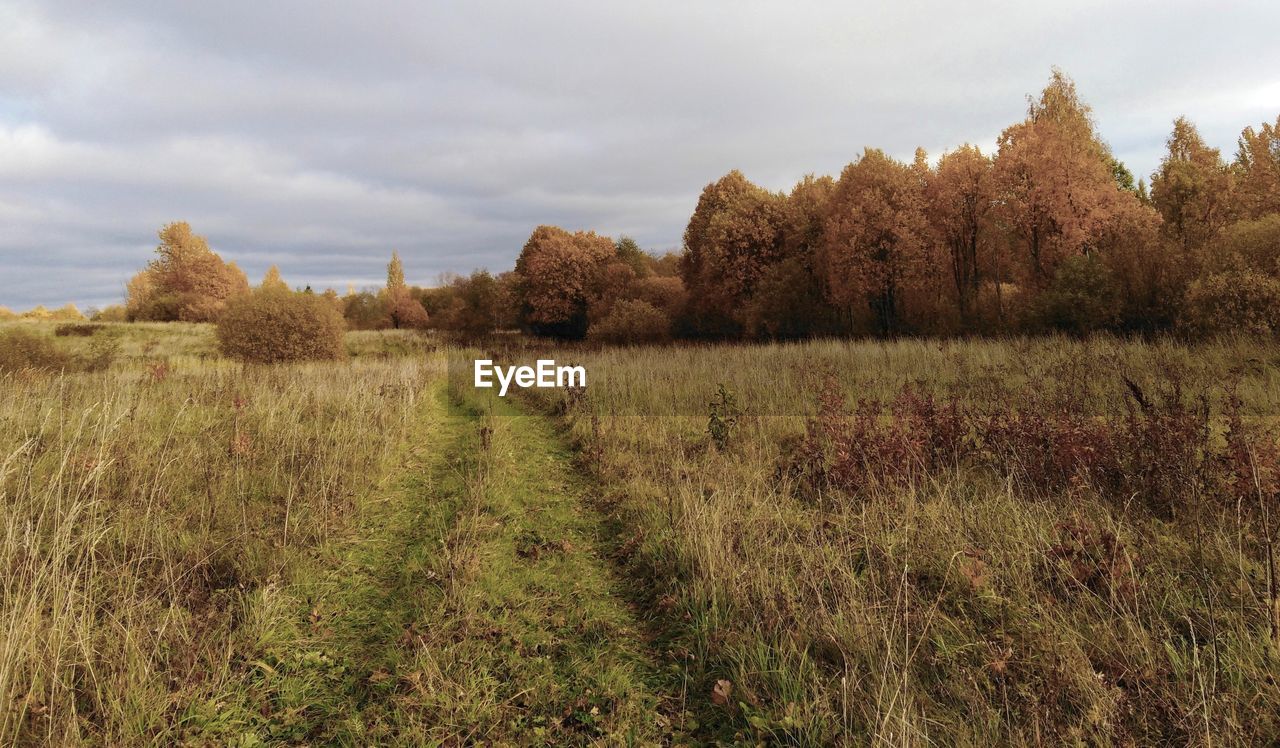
{"x": 1083, "y": 297}
{"x": 275, "y": 326}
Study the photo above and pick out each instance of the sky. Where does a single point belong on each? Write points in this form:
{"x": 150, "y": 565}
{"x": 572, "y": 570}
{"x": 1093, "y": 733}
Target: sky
{"x": 321, "y": 136}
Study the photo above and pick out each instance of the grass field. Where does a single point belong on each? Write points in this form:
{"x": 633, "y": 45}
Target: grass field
{"x": 906, "y": 543}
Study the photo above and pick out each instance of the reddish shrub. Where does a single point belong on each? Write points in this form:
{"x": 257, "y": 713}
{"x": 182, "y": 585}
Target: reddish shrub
{"x": 1094, "y": 559}
{"x": 875, "y": 445}
{"x": 1160, "y": 452}
{"x": 407, "y": 313}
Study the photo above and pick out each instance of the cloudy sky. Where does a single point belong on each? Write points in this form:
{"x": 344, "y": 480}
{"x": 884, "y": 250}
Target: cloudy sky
{"x": 320, "y": 136}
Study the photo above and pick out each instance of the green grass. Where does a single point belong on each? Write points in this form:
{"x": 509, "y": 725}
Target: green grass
{"x": 473, "y": 603}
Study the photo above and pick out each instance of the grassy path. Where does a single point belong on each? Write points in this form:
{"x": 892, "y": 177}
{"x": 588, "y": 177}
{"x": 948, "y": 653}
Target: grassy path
{"x": 477, "y": 607}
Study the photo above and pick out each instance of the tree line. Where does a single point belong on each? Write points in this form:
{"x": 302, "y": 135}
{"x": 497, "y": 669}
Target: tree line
{"x": 1049, "y": 233}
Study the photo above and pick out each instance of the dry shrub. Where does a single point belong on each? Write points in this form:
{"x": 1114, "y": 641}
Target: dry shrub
{"x": 274, "y": 326}
{"x": 78, "y": 330}
{"x": 632, "y": 321}
{"x": 1161, "y": 452}
{"x": 408, "y": 314}
{"x": 878, "y": 445}
{"x": 112, "y": 313}
{"x": 21, "y": 350}
{"x": 1092, "y": 558}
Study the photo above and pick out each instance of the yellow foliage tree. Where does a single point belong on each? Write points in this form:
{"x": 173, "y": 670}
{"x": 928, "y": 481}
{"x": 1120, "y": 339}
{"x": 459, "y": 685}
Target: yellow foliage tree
{"x": 187, "y": 281}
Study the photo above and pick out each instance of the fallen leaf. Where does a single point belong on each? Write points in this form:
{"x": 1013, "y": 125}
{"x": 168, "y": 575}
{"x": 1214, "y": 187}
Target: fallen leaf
{"x": 720, "y": 692}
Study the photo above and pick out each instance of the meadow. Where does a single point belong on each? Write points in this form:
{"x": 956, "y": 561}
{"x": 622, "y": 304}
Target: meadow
{"x": 1022, "y": 542}
{"x": 1029, "y": 542}
{"x": 154, "y": 508}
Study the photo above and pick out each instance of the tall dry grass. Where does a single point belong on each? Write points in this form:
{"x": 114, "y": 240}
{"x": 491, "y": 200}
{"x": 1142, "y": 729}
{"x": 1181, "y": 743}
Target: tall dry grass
{"x": 150, "y": 510}
{"x": 963, "y": 602}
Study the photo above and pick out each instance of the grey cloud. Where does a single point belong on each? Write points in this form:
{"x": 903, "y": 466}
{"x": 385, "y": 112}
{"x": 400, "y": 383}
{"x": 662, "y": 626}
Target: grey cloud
{"x": 320, "y": 136}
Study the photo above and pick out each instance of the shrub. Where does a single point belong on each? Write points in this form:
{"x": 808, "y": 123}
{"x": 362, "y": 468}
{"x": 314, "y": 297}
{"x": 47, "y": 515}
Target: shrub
{"x": 277, "y": 326}
{"x": 407, "y": 313}
{"x": 722, "y": 421}
{"x": 70, "y": 329}
{"x": 21, "y": 350}
{"x": 1161, "y": 453}
{"x": 664, "y": 292}
{"x": 1249, "y": 244}
{"x": 878, "y": 444}
{"x": 1237, "y": 300}
{"x": 632, "y": 321}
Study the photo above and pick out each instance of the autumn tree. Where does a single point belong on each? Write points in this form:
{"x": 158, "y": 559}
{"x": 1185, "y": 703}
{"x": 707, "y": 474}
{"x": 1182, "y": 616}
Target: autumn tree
{"x": 395, "y": 276}
{"x": 1191, "y": 189}
{"x": 787, "y": 299}
{"x": 1054, "y": 181}
{"x": 331, "y": 297}
{"x": 402, "y": 309}
{"x": 735, "y": 232}
{"x": 558, "y": 276}
{"x": 471, "y": 306}
{"x": 630, "y": 254}
{"x": 140, "y": 295}
{"x": 1257, "y": 171}
{"x": 960, "y": 198}
{"x": 187, "y": 281}
{"x": 875, "y": 243}
{"x": 407, "y": 313}
{"x": 272, "y": 281}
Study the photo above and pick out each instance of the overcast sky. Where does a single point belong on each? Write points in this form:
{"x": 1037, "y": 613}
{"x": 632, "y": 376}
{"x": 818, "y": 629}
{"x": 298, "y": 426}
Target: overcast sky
{"x": 320, "y": 136}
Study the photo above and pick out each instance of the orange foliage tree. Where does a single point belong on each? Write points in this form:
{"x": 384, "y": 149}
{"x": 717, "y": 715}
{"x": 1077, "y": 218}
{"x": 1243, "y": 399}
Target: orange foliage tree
{"x": 960, "y": 199}
{"x": 558, "y": 276}
{"x": 875, "y": 245}
{"x": 734, "y": 234}
{"x": 403, "y": 310}
{"x": 272, "y": 281}
{"x": 1055, "y": 182}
